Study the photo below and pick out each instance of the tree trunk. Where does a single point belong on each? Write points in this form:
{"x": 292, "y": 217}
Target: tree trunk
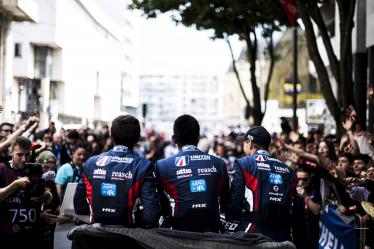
{"x": 346, "y": 13}
{"x": 252, "y": 57}
{"x": 271, "y": 69}
{"x": 315, "y": 56}
{"x": 237, "y": 74}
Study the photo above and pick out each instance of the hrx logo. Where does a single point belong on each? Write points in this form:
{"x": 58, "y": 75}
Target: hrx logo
{"x": 108, "y": 210}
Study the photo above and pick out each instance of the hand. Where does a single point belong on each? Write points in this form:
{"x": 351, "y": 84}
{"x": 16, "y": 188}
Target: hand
{"x": 347, "y": 125}
{"x": 66, "y": 218}
{"x": 293, "y": 136}
{"x": 22, "y": 182}
{"x": 301, "y": 191}
{"x": 48, "y": 217}
{"x": 351, "y": 112}
{"x": 371, "y": 91}
{"x": 45, "y": 197}
{"x": 31, "y": 121}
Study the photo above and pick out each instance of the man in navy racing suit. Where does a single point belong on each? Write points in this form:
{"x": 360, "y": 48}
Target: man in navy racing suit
{"x": 193, "y": 185}
{"x": 115, "y": 181}
{"x": 263, "y": 187}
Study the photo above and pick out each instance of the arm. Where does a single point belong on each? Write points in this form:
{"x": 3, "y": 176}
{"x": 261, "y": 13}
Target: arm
{"x": 80, "y": 199}
{"x": 149, "y": 198}
{"x": 11, "y": 188}
{"x": 223, "y": 188}
{"x": 237, "y": 190}
{"x": 303, "y": 154}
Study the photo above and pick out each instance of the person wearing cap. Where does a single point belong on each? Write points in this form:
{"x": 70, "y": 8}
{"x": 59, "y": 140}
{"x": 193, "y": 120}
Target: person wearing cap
{"x": 49, "y": 212}
{"x": 261, "y": 189}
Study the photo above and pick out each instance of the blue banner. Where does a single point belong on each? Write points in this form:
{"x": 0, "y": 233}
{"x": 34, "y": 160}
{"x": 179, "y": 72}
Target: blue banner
{"x": 334, "y": 233}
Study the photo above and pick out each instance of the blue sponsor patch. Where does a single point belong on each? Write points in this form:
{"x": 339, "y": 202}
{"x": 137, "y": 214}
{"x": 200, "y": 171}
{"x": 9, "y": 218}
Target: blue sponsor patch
{"x": 275, "y": 178}
{"x": 181, "y": 161}
{"x": 198, "y": 185}
{"x": 108, "y": 189}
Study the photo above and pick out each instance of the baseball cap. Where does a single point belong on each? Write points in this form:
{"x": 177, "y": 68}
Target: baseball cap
{"x": 259, "y": 135}
{"x": 46, "y": 157}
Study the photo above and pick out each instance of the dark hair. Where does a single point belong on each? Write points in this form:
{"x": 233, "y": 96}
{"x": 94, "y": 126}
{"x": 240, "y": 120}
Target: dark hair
{"x": 22, "y": 142}
{"x": 125, "y": 130}
{"x": 332, "y": 154}
{"x": 186, "y": 130}
{"x": 72, "y": 134}
{"x": 303, "y": 170}
{"x": 6, "y": 124}
{"x": 362, "y": 157}
{"x": 347, "y": 155}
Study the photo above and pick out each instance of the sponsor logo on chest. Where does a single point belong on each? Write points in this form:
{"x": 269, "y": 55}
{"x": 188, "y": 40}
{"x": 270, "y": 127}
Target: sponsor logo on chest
{"x": 99, "y": 173}
{"x": 207, "y": 171}
{"x": 121, "y": 175}
{"x": 181, "y": 173}
{"x": 199, "y": 157}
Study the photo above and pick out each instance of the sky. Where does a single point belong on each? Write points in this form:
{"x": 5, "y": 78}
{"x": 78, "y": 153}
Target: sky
{"x": 169, "y": 48}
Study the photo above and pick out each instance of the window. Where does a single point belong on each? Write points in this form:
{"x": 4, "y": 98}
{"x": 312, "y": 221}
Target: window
{"x": 17, "y": 50}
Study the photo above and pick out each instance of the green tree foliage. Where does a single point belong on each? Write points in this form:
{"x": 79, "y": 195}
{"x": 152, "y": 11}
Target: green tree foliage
{"x": 245, "y": 18}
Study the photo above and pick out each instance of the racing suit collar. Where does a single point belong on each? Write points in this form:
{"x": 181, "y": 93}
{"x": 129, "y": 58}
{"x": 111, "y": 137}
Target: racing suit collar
{"x": 262, "y": 152}
{"x": 189, "y": 148}
{"x": 120, "y": 148}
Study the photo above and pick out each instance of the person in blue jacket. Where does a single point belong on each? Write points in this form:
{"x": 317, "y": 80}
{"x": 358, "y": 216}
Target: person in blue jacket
{"x": 118, "y": 186}
{"x": 193, "y": 185}
{"x": 262, "y": 189}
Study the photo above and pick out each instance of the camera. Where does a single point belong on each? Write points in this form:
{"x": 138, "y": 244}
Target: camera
{"x": 36, "y": 187}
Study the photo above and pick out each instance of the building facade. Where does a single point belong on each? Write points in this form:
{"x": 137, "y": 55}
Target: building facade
{"x": 165, "y": 97}
{"x": 76, "y": 64}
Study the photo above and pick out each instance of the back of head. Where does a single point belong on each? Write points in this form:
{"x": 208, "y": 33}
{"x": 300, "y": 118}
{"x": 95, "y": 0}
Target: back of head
{"x": 21, "y": 142}
{"x": 186, "y": 130}
{"x": 125, "y": 130}
{"x": 259, "y": 136}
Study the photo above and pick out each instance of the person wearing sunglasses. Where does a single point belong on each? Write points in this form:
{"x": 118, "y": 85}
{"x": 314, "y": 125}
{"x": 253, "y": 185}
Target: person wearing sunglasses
{"x": 306, "y": 209}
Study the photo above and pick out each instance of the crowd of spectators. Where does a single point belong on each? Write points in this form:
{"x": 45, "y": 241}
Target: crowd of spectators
{"x": 334, "y": 171}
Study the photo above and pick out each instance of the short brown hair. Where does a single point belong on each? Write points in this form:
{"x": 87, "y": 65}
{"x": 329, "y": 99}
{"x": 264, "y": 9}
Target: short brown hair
{"x": 22, "y": 142}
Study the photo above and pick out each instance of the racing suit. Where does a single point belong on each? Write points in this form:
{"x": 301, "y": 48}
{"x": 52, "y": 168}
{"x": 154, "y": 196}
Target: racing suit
{"x": 264, "y": 187}
{"x": 113, "y": 183}
{"x": 193, "y": 190}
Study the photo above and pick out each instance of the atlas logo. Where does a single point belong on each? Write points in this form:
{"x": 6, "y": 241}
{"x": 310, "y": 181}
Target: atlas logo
{"x": 183, "y": 171}
{"x": 99, "y": 173}
{"x": 103, "y": 160}
{"x": 182, "y": 161}
{"x": 108, "y": 210}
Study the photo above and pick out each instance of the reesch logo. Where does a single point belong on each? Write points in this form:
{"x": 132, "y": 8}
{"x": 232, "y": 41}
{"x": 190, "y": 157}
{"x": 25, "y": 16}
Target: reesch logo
{"x": 207, "y": 170}
{"x": 103, "y": 160}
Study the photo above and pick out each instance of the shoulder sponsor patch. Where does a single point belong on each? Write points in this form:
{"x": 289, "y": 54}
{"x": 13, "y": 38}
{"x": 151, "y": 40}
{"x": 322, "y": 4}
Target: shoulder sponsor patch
{"x": 103, "y": 160}
{"x": 275, "y": 178}
{"x": 199, "y": 157}
{"x": 198, "y": 185}
{"x": 108, "y": 189}
{"x": 181, "y": 161}
{"x": 261, "y": 158}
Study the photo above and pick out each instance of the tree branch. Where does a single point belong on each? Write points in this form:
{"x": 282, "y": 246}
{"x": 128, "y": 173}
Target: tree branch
{"x": 237, "y": 73}
{"x": 271, "y": 69}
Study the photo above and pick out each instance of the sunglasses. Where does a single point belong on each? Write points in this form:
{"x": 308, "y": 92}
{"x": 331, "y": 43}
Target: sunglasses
{"x": 8, "y": 130}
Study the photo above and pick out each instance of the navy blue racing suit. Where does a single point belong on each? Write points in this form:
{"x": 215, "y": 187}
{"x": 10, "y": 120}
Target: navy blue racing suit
{"x": 263, "y": 187}
{"x": 193, "y": 190}
{"x": 114, "y": 183}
